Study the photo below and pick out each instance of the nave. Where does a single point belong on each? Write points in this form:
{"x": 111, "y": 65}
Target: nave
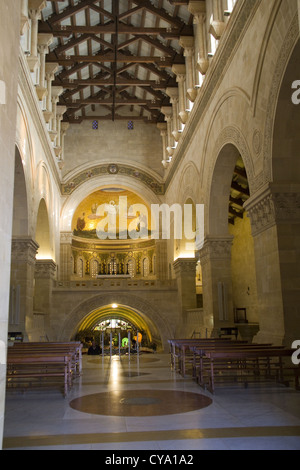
{"x": 119, "y": 404}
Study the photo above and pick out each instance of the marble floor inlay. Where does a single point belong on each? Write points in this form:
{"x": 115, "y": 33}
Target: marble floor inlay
{"x": 128, "y": 403}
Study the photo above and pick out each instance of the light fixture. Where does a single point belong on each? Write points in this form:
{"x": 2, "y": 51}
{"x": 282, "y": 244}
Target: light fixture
{"x": 114, "y": 306}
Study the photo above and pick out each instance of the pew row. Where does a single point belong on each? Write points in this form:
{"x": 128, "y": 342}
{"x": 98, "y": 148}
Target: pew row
{"x": 39, "y": 364}
{"x": 246, "y": 365}
{"x": 213, "y": 360}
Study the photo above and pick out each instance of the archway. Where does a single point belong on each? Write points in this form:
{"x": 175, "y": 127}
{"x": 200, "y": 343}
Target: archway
{"x": 22, "y": 246}
{"x": 228, "y": 247}
{"x": 20, "y": 207}
{"x": 118, "y": 321}
{"x": 42, "y": 235}
{"x": 132, "y": 308}
{"x": 285, "y": 196}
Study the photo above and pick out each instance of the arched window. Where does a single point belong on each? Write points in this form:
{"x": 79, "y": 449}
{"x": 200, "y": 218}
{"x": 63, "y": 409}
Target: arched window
{"x": 112, "y": 266}
{"x": 130, "y": 267}
{"x": 80, "y": 267}
{"x": 154, "y": 265}
{"x": 146, "y": 267}
{"x": 94, "y": 269}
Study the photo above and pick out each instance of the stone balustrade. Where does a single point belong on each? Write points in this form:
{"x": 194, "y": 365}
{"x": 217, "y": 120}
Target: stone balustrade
{"x": 117, "y": 283}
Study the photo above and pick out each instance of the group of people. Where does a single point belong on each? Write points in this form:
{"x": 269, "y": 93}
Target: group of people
{"x": 95, "y": 349}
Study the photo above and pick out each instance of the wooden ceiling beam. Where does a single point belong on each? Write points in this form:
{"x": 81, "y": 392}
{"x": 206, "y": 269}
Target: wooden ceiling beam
{"x": 107, "y": 82}
{"x": 72, "y": 59}
{"x": 66, "y": 31}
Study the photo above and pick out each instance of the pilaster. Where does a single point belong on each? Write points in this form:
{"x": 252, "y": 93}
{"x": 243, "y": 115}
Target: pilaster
{"x": 275, "y": 220}
{"x": 215, "y": 260}
{"x": 180, "y": 72}
{"x": 185, "y": 271}
{"x": 198, "y": 9}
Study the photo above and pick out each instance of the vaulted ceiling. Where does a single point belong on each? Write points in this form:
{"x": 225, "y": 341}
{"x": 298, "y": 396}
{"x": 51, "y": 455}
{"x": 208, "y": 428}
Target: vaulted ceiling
{"x": 115, "y": 57}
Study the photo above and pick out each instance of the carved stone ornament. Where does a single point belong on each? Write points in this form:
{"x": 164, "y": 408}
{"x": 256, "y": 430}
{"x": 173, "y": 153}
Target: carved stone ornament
{"x": 24, "y": 250}
{"x": 271, "y": 206}
{"x": 215, "y": 249}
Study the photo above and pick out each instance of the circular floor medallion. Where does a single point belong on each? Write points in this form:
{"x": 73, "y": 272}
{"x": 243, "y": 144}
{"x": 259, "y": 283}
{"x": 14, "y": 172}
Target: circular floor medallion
{"x": 140, "y": 403}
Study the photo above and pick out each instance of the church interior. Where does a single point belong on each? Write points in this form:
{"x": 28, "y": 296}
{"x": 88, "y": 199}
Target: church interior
{"x": 150, "y": 246}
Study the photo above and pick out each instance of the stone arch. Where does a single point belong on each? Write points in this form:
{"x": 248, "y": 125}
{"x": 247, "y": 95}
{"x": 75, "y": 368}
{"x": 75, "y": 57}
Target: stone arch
{"x": 286, "y": 139}
{"x": 42, "y": 234}
{"x": 229, "y": 146}
{"x": 79, "y": 194}
{"x": 142, "y": 307}
{"x": 287, "y": 49}
{"x": 20, "y": 205}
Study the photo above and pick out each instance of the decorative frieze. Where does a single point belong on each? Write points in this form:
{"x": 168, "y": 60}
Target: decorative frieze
{"x": 215, "y": 249}
{"x": 273, "y": 205}
{"x": 24, "y": 250}
{"x": 45, "y": 269}
{"x": 184, "y": 266}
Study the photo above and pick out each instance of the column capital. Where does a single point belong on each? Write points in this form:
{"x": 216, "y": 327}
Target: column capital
{"x": 184, "y": 266}
{"x": 65, "y": 126}
{"x": 51, "y": 68}
{"x": 273, "y": 204}
{"x": 197, "y": 8}
{"x": 173, "y": 92}
{"x": 162, "y": 126}
{"x": 45, "y": 39}
{"x": 60, "y": 111}
{"x": 37, "y": 5}
{"x": 45, "y": 269}
{"x": 215, "y": 248}
{"x": 24, "y": 250}
{"x": 180, "y": 71}
{"x": 66, "y": 238}
{"x": 187, "y": 42}
{"x": 56, "y": 91}
{"x": 167, "y": 111}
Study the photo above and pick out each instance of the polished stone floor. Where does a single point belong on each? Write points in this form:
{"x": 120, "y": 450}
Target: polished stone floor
{"x": 141, "y": 404}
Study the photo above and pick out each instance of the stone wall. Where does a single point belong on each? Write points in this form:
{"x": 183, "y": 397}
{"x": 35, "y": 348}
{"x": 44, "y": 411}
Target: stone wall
{"x": 112, "y": 142}
{"x": 9, "y": 35}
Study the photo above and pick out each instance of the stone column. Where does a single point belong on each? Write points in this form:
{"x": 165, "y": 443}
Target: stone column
{"x": 23, "y": 259}
{"x": 185, "y": 271}
{"x": 45, "y": 275}
{"x": 167, "y": 111}
{"x": 180, "y": 73}
{"x": 173, "y": 93}
{"x": 44, "y": 41}
{"x": 60, "y": 111}
{"x": 50, "y": 70}
{"x": 66, "y": 267}
{"x": 275, "y": 220}
{"x": 299, "y": 12}
{"x": 215, "y": 260}
{"x": 187, "y": 42}
{"x": 198, "y": 9}
{"x": 162, "y": 126}
{"x": 34, "y": 10}
{"x": 24, "y": 25}
{"x": 56, "y": 91}
{"x": 64, "y": 127}
{"x": 217, "y": 25}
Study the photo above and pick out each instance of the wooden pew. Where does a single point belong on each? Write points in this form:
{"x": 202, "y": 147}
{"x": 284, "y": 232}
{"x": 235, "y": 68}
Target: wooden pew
{"x": 180, "y": 347}
{"x": 244, "y": 364}
{"x": 74, "y": 347}
{"x": 24, "y": 367}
